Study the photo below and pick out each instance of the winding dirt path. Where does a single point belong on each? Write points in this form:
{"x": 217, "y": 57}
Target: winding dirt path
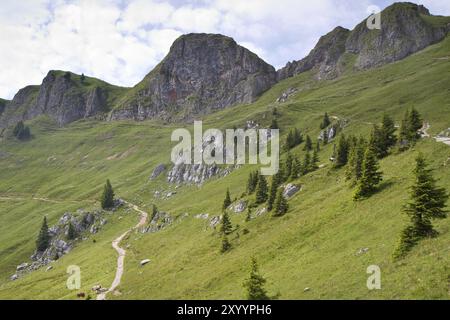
{"x": 122, "y": 252}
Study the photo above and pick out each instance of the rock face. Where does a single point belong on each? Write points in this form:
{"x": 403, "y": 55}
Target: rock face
{"x": 196, "y": 173}
{"x": 405, "y": 29}
{"x": 323, "y": 58}
{"x": 201, "y": 73}
{"x": 62, "y": 95}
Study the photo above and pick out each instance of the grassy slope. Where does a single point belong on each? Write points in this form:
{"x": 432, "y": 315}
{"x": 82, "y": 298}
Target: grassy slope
{"x": 314, "y": 245}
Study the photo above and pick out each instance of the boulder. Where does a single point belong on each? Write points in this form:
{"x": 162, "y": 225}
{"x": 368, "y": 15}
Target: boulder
{"x": 214, "y": 221}
{"x": 157, "y": 171}
{"x": 290, "y": 190}
{"x": 22, "y": 266}
{"x": 14, "y": 277}
{"x": 144, "y": 262}
{"x": 238, "y": 207}
{"x": 203, "y": 216}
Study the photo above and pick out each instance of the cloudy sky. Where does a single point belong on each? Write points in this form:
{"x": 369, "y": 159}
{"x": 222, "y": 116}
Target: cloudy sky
{"x": 120, "y": 41}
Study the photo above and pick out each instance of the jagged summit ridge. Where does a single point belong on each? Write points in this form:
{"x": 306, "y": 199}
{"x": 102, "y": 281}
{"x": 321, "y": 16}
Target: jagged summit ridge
{"x": 201, "y": 73}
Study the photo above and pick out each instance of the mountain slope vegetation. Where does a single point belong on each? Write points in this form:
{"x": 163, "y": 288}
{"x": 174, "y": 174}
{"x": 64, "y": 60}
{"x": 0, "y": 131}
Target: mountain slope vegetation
{"x": 316, "y": 245}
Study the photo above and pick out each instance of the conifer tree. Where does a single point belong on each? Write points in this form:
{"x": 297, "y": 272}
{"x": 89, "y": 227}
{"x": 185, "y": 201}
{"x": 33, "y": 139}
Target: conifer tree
{"x": 288, "y": 165}
{"x": 274, "y": 124}
{"x": 308, "y": 144}
{"x": 314, "y": 161}
{"x": 107, "y": 199}
{"x": 227, "y": 200}
{"x": 296, "y": 169}
{"x": 272, "y": 193}
{"x": 428, "y": 201}
{"x": 252, "y": 182}
{"x": 248, "y": 217}
{"x": 43, "y": 240}
{"x": 71, "y": 232}
{"x": 356, "y": 158}
{"x": 376, "y": 142}
{"x": 306, "y": 165}
{"x": 226, "y": 245}
{"x": 325, "y": 137}
{"x": 325, "y": 122}
{"x": 415, "y": 123}
{"x": 370, "y": 177}
{"x": 388, "y": 131}
{"x": 281, "y": 205}
{"x": 342, "y": 152}
{"x": 317, "y": 146}
{"x": 255, "y": 284}
{"x": 261, "y": 190}
{"x": 154, "y": 212}
{"x": 297, "y": 137}
{"x": 226, "y": 227}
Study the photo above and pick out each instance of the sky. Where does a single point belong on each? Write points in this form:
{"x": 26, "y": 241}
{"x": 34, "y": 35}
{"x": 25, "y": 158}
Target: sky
{"x": 120, "y": 41}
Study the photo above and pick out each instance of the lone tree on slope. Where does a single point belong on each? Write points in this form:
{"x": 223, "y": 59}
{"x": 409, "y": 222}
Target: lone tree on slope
{"x": 43, "y": 240}
{"x": 107, "y": 199}
{"x": 255, "y": 284}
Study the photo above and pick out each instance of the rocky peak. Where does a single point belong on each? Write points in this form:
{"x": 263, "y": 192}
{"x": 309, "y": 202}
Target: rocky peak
{"x": 405, "y": 29}
{"x": 323, "y": 57}
{"x": 201, "y": 73}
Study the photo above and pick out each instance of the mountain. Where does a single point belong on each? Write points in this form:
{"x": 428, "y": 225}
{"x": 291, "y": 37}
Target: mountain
{"x": 201, "y": 73}
{"x": 64, "y": 96}
{"x": 405, "y": 29}
{"x": 2, "y": 105}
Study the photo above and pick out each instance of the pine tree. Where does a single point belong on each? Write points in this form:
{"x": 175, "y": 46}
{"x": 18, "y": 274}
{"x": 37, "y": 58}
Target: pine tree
{"x": 306, "y": 165}
{"x": 317, "y": 146}
{"x": 107, "y": 199}
{"x": 274, "y": 124}
{"x": 342, "y": 152}
{"x": 356, "y": 158}
{"x": 227, "y": 200}
{"x": 248, "y": 217}
{"x": 261, "y": 190}
{"x": 82, "y": 78}
{"x": 255, "y": 284}
{"x": 43, "y": 240}
{"x": 154, "y": 212}
{"x": 252, "y": 182}
{"x": 370, "y": 177}
{"x": 404, "y": 131}
{"x": 427, "y": 202}
{"x": 71, "y": 232}
{"x": 376, "y": 142}
{"x": 226, "y": 245}
{"x": 325, "y": 122}
{"x": 325, "y": 137}
{"x": 308, "y": 144}
{"x": 272, "y": 193}
{"x": 289, "y": 141}
{"x": 281, "y": 205}
{"x": 415, "y": 123}
{"x": 314, "y": 161}
{"x": 226, "y": 228}
{"x": 388, "y": 131}
{"x": 288, "y": 165}
{"x": 297, "y": 137}
{"x": 296, "y": 169}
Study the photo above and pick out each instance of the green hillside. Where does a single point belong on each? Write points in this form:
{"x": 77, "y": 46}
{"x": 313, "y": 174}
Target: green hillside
{"x": 314, "y": 245}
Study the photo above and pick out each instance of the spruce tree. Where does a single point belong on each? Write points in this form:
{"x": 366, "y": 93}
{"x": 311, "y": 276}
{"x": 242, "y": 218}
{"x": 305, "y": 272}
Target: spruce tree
{"x": 377, "y": 143}
{"x": 325, "y": 122}
{"x": 325, "y": 137}
{"x": 281, "y": 205}
{"x": 226, "y": 245}
{"x": 388, "y": 131}
{"x": 296, "y": 169}
{"x": 314, "y": 161}
{"x": 274, "y": 124}
{"x": 308, "y": 144}
{"x": 272, "y": 193}
{"x": 317, "y": 146}
{"x": 297, "y": 137}
{"x": 248, "y": 217}
{"x": 71, "y": 232}
{"x": 370, "y": 177}
{"x": 226, "y": 227}
{"x": 82, "y": 78}
{"x": 261, "y": 190}
{"x": 227, "y": 200}
{"x": 289, "y": 141}
{"x": 342, "y": 152}
{"x": 43, "y": 240}
{"x": 252, "y": 182}
{"x": 255, "y": 284}
{"x": 306, "y": 165}
{"x": 107, "y": 199}
{"x": 288, "y": 165}
{"x": 428, "y": 201}
{"x": 404, "y": 131}
{"x": 356, "y": 158}
{"x": 154, "y": 212}
{"x": 415, "y": 123}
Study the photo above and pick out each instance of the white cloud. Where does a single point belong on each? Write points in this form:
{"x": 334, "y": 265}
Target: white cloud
{"x": 120, "y": 41}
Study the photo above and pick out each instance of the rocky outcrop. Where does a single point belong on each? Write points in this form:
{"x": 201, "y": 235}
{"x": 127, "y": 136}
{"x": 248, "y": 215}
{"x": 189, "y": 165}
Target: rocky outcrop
{"x": 405, "y": 29}
{"x": 160, "y": 221}
{"x": 63, "y": 96}
{"x": 196, "y": 173}
{"x": 323, "y": 58}
{"x": 157, "y": 171}
{"x": 290, "y": 190}
{"x": 201, "y": 73}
